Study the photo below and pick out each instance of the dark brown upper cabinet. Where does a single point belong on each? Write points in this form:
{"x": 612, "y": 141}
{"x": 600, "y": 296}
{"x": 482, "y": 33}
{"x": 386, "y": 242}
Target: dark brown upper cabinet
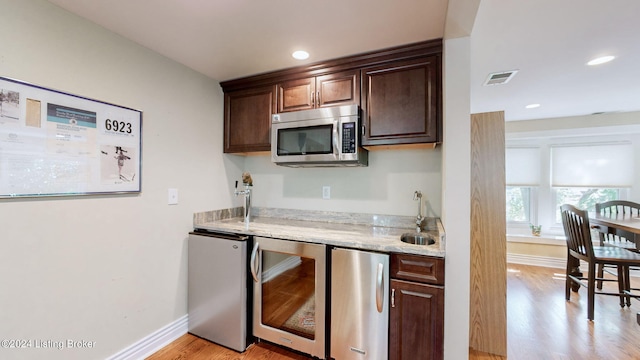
{"x": 315, "y": 92}
{"x": 247, "y": 119}
{"x": 398, "y": 89}
{"x": 401, "y": 102}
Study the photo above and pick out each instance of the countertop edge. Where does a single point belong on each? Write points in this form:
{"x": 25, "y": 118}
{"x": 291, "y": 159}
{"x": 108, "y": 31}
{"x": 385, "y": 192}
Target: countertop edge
{"x": 359, "y": 236}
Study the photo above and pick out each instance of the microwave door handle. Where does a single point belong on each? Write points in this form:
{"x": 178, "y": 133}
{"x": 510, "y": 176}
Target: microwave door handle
{"x": 336, "y": 150}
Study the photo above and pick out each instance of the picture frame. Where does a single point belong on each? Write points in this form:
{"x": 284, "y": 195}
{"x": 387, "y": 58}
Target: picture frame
{"x": 53, "y": 143}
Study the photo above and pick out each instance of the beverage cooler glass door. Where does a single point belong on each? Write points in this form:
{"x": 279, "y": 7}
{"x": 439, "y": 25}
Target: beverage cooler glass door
{"x": 289, "y": 294}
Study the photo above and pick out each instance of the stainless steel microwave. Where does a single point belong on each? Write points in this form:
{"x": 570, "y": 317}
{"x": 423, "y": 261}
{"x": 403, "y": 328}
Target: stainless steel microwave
{"x": 319, "y": 137}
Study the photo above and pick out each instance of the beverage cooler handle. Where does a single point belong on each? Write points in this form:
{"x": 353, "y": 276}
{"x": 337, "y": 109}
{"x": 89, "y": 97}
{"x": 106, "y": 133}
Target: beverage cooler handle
{"x": 255, "y": 268}
{"x": 380, "y": 287}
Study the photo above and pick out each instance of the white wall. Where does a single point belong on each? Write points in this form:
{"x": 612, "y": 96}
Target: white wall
{"x": 109, "y": 269}
{"x": 386, "y": 186}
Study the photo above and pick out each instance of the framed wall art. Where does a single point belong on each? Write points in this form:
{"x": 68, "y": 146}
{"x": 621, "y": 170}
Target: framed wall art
{"x": 57, "y": 144}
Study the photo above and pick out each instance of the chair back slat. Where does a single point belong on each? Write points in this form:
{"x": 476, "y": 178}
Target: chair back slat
{"x": 576, "y": 230}
{"x": 614, "y": 208}
{"x": 618, "y": 207}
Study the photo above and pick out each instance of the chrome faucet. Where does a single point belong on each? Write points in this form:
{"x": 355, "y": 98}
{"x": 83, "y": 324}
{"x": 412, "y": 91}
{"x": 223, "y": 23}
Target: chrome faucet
{"x": 417, "y": 195}
{"x": 248, "y": 183}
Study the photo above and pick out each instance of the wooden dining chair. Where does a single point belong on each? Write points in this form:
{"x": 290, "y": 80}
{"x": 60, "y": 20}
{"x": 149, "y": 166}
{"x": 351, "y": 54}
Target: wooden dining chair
{"x": 621, "y": 238}
{"x": 616, "y": 208}
{"x": 580, "y": 247}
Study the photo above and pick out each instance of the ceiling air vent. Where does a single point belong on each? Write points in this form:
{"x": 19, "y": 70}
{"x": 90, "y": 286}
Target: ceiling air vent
{"x": 500, "y": 77}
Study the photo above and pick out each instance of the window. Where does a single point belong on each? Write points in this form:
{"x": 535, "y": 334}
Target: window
{"x": 519, "y": 205}
{"x": 597, "y": 165}
{"x": 544, "y": 173}
{"x": 522, "y": 178}
{"x": 583, "y": 175}
{"x": 583, "y": 198}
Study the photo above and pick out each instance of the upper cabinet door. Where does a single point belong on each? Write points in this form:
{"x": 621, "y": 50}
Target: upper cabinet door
{"x": 338, "y": 89}
{"x": 401, "y": 102}
{"x": 296, "y": 95}
{"x": 335, "y": 89}
{"x": 247, "y": 119}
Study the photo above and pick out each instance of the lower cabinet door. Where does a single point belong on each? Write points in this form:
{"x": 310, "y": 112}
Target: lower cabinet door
{"x": 416, "y": 321}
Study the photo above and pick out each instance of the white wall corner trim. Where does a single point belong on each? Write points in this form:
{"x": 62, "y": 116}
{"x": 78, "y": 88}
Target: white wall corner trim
{"x": 154, "y": 341}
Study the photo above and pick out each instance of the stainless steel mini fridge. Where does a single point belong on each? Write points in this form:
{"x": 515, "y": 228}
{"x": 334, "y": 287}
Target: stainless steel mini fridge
{"x": 217, "y": 288}
{"x": 359, "y": 305}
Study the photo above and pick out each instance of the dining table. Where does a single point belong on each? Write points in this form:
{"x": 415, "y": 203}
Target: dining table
{"x": 625, "y": 225}
{"x": 619, "y": 224}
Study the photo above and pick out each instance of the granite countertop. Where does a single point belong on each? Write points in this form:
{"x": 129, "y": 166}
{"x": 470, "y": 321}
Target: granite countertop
{"x": 359, "y": 231}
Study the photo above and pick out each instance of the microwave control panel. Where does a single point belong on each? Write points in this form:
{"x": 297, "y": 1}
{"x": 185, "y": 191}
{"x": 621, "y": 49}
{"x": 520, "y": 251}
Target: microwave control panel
{"x": 349, "y": 138}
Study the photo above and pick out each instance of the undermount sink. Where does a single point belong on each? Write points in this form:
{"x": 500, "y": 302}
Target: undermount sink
{"x": 417, "y": 239}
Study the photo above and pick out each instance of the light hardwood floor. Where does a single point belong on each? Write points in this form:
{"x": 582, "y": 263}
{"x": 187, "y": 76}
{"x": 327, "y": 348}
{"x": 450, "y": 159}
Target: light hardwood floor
{"x": 540, "y": 325}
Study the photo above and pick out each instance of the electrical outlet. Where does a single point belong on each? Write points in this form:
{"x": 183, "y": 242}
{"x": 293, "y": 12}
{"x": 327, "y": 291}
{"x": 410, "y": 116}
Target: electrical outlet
{"x": 172, "y": 197}
{"x": 326, "y": 192}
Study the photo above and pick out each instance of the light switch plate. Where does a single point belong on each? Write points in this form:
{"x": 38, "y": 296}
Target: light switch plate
{"x": 326, "y": 192}
{"x": 172, "y": 197}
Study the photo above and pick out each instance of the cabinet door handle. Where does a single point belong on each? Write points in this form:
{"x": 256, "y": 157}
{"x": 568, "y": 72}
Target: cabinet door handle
{"x": 318, "y": 98}
{"x": 313, "y": 99}
{"x": 393, "y": 298}
{"x": 380, "y": 288}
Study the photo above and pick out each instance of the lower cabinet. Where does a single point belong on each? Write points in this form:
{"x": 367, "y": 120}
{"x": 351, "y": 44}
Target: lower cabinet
{"x": 416, "y": 315}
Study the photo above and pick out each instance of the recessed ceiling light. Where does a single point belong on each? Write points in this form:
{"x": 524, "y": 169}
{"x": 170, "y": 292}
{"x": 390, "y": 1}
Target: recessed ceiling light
{"x": 300, "y": 55}
{"x": 601, "y": 60}
{"x": 532, "y": 106}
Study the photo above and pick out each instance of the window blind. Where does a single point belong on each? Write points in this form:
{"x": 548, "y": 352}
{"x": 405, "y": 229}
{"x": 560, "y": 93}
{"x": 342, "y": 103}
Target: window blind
{"x": 596, "y": 165}
{"x": 522, "y": 166}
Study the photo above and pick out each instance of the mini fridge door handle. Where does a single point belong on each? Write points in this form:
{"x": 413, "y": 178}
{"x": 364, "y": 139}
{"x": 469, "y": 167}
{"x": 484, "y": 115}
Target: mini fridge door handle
{"x": 380, "y": 287}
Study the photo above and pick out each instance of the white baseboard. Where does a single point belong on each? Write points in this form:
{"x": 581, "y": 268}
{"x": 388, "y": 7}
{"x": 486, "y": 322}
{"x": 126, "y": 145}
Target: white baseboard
{"x": 550, "y": 262}
{"x": 281, "y": 267}
{"x": 533, "y": 260}
{"x": 154, "y": 341}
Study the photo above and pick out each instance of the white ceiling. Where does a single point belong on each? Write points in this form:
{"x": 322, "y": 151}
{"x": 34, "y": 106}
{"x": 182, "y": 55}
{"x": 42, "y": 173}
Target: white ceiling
{"x": 227, "y": 39}
{"x": 548, "y": 41}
